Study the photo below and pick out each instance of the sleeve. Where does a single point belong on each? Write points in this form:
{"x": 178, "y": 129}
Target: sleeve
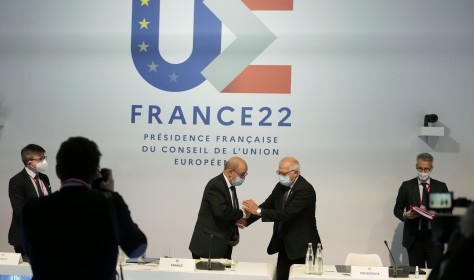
{"x": 131, "y": 239}
{"x": 400, "y": 203}
{"x": 267, "y": 204}
{"x": 218, "y": 205}
{"x": 17, "y": 195}
{"x": 301, "y": 200}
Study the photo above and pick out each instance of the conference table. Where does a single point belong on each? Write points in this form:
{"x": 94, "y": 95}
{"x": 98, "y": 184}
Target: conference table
{"x": 243, "y": 271}
{"x": 330, "y": 273}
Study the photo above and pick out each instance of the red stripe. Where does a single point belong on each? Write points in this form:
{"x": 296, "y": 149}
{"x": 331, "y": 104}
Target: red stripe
{"x": 269, "y": 5}
{"x": 262, "y": 79}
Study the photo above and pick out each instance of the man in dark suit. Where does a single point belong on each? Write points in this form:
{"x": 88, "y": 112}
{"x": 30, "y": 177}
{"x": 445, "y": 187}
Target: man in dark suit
{"x": 417, "y": 234}
{"x": 28, "y": 183}
{"x": 291, "y": 206}
{"x": 219, "y": 213}
{"x": 75, "y": 232}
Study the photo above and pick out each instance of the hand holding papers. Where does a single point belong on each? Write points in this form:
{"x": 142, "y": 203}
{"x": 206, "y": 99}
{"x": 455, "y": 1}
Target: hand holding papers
{"x": 423, "y": 212}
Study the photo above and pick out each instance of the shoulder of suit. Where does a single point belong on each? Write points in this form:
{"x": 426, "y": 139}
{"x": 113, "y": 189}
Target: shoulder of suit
{"x": 411, "y": 181}
{"x": 434, "y": 181}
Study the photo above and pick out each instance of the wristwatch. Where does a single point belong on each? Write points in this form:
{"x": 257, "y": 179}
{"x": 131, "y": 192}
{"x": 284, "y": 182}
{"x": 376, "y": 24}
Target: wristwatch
{"x": 259, "y": 211}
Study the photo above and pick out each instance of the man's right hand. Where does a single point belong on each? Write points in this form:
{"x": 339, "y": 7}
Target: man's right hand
{"x": 411, "y": 215}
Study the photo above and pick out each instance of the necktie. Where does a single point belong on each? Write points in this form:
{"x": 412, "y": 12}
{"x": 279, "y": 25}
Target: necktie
{"x": 38, "y": 186}
{"x": 235, "y": 203}
{"x": 285, "y": 197}
{"x": 424, "y": 201}
{"x": 283, "y": 202}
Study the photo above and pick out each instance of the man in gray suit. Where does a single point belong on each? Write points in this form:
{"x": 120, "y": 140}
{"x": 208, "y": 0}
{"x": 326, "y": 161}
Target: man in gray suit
{"x": 216, "y": 230}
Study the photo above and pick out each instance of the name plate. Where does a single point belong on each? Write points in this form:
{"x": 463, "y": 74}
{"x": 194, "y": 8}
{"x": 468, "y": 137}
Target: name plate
{"x": 364, "y": 272}
{"x": 174, "y": 264}
{"x": 10, "y": 258}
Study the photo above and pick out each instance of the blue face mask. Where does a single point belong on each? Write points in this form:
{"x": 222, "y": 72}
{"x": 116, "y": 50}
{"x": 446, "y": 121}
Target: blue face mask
{"x": 238, "y": 181}
{"x": 285, "y": 181}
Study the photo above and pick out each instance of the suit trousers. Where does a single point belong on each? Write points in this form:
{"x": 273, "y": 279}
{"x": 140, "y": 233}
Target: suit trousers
{"x": 424, "y": 250}
{"x": 284, "y": 264}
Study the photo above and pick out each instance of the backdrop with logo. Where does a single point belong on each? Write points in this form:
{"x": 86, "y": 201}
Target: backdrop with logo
{"x": 170, "y": 89}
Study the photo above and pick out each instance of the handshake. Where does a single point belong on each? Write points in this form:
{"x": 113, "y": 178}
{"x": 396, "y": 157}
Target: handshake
{"x": 249, "y": 207}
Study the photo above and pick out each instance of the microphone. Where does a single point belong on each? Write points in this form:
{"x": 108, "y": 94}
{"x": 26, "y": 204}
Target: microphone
{"x": 209, "y": 265}
{"x": 395, "y": 268}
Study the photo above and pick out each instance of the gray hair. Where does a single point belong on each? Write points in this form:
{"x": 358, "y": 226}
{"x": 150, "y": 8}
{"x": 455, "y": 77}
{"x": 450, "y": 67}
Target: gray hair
{"x": 467, "y": 222}
{"x": 424, "y": 157}
{"x": 295, "y": 165}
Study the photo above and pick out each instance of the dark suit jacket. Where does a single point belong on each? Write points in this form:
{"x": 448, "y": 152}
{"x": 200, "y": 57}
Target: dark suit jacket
{"x": 216, "y": 217}
{"x": 20, "y": 190}
{"x": 71, "y": 235}
{"x": 409, "y": 194}
{"x": 297, "y": 218}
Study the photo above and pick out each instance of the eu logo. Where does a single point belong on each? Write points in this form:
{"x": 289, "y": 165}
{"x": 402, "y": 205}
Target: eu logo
{"x": 229, "y": 70}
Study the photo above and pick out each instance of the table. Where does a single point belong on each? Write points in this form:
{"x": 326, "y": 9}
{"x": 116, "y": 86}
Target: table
{"x": 330, "y": 273}
{"x": 243, "y": 270}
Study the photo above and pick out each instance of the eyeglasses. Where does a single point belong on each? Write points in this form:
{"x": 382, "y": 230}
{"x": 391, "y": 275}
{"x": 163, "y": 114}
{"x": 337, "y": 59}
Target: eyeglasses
{"x": 243, "y": 175}
{"x": 421, "y": 169}
{"x": 278, "y": 172}
{"x": 40, "y": 159}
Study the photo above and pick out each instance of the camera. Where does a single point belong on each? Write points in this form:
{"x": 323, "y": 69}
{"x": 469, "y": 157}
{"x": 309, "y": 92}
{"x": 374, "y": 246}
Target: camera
{"x": 103, "y": 177}
{"x": 445, "y": 223}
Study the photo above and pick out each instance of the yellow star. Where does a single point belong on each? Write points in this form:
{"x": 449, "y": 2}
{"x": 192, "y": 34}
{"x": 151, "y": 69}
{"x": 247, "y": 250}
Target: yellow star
{"x": 145, "y": 2}
{"x": 143, "y": 47}
{"x": 144, "y": 23}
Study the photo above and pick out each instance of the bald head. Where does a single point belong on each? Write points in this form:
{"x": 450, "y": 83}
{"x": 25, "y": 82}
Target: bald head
{"x": 235, "y": 163}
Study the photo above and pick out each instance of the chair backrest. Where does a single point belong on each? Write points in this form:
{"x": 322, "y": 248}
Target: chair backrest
{"x": 364, "y": 260}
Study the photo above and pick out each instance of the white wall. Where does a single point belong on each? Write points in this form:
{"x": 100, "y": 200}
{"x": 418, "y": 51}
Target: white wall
{"x": 364, "y": 73}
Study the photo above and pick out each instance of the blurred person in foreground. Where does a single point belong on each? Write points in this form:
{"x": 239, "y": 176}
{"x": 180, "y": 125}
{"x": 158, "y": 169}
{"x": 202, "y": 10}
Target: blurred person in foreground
{"x": 456, "y": 263}
{"x": 75, "y": 232}
{"x": 30, "y": 182}
{"x": 292, "y": 208}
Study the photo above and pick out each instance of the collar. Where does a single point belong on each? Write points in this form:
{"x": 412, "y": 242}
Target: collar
{"x": 294, "y": 182}
{"x": 74, "y": 182}
{"x": 227, "y": 180}
{"x": 30, "y": 172}
{"x": 427, "y": 181}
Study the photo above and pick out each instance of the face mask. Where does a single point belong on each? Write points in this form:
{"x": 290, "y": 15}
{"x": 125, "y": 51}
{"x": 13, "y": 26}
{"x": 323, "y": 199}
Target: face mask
{"x": 42, "y": 166}
{"x": 423, "y": 176}
{"x": 285, "y": 181}
{"x": 238, "y": 181}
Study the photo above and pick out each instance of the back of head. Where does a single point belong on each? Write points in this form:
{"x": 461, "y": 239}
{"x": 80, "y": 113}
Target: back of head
{"x": 78, "y": 157}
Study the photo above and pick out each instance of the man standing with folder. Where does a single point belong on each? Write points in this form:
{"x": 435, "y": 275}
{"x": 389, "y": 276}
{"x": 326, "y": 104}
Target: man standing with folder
{"x": 417, "y": 233}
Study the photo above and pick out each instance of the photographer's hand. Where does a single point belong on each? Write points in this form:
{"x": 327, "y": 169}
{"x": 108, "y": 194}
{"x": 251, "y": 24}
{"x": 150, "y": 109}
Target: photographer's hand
{"x": 108, "y": 180}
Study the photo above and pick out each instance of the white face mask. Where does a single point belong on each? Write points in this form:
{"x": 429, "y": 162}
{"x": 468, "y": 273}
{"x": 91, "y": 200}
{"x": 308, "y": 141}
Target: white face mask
{"x": 423, "y": 176}
{"x": 42, "y": 166}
